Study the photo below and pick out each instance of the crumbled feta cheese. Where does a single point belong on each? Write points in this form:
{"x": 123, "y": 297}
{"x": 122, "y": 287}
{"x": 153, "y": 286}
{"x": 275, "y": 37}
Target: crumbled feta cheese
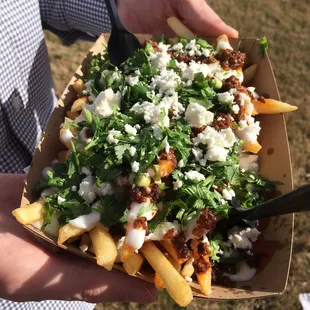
{"x": 160, "y": 60}
{"x": 132, "y": 151}
{"x": 106, "y": 102}
{"x": 217, "y": 153}
{"x": 194, "y": 68}
{"x": 172, "y": 103}
{"x": 73, "y": 188}
{"x": 112, "y": 136}
{"x": 194, "y": 176}
{"x": 242, "y": 238}
{"x": 132, "y": 131}
{"x": 85, "y": 170}
{"x": 198, "y": 116}
{"x": 225, "y": 97}
{"x": 165, "y": 81}
{"x": 205, "y": 52}
{"x": 177, "y": 47}
{"x": 181, "y": 163}
{"x": 228, "y": 194}
{"x": 155, "y": 114}
{"x": 177, "y": 184}
{"x": 246, "y": 103}
{"x": 135, "y": 166}
{"x": 211, "y": 137}
{"x": 104, "y": 189}
{"x": 248, "y": 130}
{"x": 132, "y": 79}
{"x": 86, "y": 190}
{"x": 167, "y": 146}
{"x": 235, "y": 108}
{"x": 60, "y": 199}
{"x": 217, "y": 142}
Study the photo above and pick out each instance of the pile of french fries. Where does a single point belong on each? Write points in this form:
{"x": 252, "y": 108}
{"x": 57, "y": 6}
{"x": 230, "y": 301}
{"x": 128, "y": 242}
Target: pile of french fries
{"x": 171, "y": 272}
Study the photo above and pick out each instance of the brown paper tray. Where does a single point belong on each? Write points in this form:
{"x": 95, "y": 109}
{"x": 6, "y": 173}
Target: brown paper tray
{"x": 275, "y": 243}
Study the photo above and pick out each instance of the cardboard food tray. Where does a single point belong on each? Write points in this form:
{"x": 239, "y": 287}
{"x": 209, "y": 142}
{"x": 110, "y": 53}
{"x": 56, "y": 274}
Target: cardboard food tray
{"x": 275, "y": 242}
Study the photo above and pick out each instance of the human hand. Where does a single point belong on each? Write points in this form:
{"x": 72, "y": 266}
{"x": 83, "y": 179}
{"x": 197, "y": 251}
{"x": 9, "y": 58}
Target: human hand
{"x": 30, "y": 272}
{"x": 150, "y": 16}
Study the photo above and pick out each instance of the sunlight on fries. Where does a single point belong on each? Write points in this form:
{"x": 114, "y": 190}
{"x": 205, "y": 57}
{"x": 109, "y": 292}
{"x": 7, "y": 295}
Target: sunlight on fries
{"x": 188, "y": 269}
{"x": 271, "y": 106}
{"x": 179, "y": 28}
{"x": 252, "y": 147}
{"x": 133, "y": 263}
{"x": 104, "y": 246}
{"x": 68, "y": 231}
{"x": 30, "y": 213}
{"x": 174, "y": 283}
{"x": 125, "y": 252}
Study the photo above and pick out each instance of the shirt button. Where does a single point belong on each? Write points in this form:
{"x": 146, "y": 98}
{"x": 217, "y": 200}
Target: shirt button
{"x": 16, "y": 103}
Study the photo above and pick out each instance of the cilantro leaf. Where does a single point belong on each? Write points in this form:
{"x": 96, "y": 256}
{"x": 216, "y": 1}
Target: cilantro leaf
{"x": 214, "y": 243}
{"x": 263, "y": 46}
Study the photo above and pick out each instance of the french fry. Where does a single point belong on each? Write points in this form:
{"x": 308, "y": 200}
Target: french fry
{"x": 179, "y": 28}
{"x": 63, "y": 156}
{"x": 68, "y": 231}
{"x": 271, "y": 106}
{"x": 174, "y": 283}
{"x": 72, "y": 115}
{"x": 78, "y": 86}
{"x": 30, "y": 213}
{"x": 159, "y": 284}
{"x": 249, "y": 74}
{"x": 222, "y": 43}
{"x": 188, "y": 268}
{"x": 85, "y": 242}
{"x": 78, "y": 104}
{"x": 171, "y": 250}
{"x": 104, "y": 246}
{"x": 63, "y": 140}
{"x": 174, "y": 263}
{"x": 204, "y": 279}
{"x": 91, "y": 249}
{"x": 133, "y": 263}
{"x": 252, "y": 147}
{"x": 125, "y": 252}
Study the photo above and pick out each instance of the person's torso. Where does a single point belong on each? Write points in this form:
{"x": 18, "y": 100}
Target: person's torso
{"x": 26, "y": 86}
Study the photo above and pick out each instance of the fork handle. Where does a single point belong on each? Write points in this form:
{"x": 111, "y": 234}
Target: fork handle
{"x": 293, "y": 202}
{"x": 113, "y": 14}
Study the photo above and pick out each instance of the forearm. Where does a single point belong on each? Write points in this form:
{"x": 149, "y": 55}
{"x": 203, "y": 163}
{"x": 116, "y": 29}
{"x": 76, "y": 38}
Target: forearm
{"x": 87, "y": 16}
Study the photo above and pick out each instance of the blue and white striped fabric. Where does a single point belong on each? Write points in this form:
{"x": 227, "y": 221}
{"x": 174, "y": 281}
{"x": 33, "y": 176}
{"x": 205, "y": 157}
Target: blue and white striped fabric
{"x": 26, "y": 88}
{"x": 27, "y": 95}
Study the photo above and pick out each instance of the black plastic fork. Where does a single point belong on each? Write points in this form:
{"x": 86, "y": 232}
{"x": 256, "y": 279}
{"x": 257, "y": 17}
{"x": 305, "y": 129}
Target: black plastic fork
{"x": 296, "y": 201}
{"x": 122, "y": 43}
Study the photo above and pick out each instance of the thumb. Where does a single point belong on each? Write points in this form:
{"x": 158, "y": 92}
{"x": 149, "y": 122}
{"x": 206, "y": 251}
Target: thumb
{"x": 67, "y": 277}
{"x": 202, "y": 20}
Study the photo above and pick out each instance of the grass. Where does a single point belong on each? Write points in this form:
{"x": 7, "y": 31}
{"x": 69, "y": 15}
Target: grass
{"x": 286, "y": 25}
